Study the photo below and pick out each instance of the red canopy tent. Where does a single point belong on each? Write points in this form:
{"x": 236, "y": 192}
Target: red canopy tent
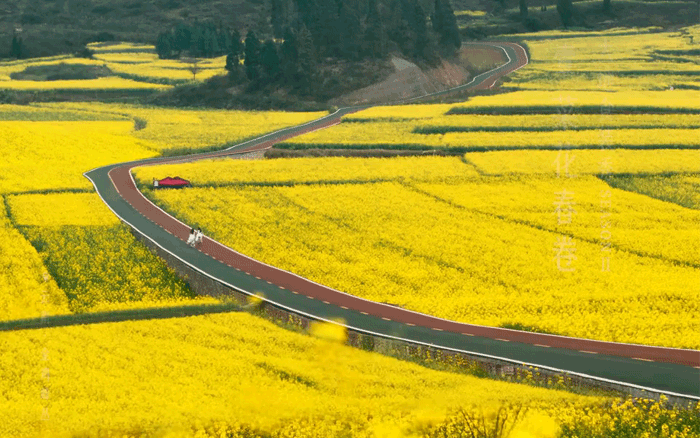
{"x": 172, "y": 182}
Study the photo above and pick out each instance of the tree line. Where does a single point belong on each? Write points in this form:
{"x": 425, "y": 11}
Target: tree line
{"x": 311, "y": 30}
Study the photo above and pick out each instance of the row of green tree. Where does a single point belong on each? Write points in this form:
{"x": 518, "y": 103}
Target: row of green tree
{"x": 198, "y": 39}
{"x": 346, "y": 29}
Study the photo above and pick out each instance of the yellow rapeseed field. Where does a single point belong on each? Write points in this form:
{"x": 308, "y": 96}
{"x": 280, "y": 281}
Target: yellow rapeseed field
{"x": 152, "y": 378}
{"x": 480, "y": 250}
{"x": 92, "y": 257}
{"x": 106, "y": 83}
{"x": 476, "y": 122}
{"x": 567, "y": 119}
{"x": 610, "y": 61}
{"x": 158, "y": 70}
{"x": 26, "y": 289}
{"x": 54, "y": 155}
{"x": 329, "y": 169}
{"x": 639, "y": 224}
{"x": 401, "y": 135}
{"x": 10, "y": 112}
{"x": 188, "y": 130}
{"x": 586, "y": 162}
{"x": 682, "y": 189}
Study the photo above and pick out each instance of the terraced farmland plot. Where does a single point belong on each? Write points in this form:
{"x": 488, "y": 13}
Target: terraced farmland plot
{"x": 27, "y": 290}
{"x": 587, "y": 162}
{"x": 456, "y": 258}
{"x": 523, "y": 120}
{"x": 54, "y": 155}
{"x": 403, "y": 135}
{"x": 179, "y": 131}
{"x": 609, "y": 61}
{"x": 223, "y": 172}
{"x": 90, "y": 254}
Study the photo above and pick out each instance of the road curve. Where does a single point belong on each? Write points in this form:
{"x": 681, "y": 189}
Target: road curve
{"x": 668, "y": 370}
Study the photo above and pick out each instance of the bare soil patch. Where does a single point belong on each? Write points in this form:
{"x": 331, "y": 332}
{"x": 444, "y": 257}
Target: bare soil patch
{"x": 408, "y": 80}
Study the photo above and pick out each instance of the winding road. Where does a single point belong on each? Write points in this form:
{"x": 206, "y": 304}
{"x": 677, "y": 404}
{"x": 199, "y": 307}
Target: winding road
{"x": 667, "y": 370}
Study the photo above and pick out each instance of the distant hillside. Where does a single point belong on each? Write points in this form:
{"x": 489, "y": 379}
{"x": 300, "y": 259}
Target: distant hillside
{"x": 64, "y": 26}
{"x": 49, "y": 27}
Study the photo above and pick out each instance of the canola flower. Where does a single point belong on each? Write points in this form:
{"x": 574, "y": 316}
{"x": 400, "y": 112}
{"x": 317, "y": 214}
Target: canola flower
{"x": 571, "y": 119}
{"x": 588, "y": 162}
{"x": 152, "y": 378}
{"x": 400, "y": 135}
{"x": 92, "y": 256}
{"x": 680, "y": 189}
{"x": 53, "y": 155}
{"x": 9, "y": 67}
{"x": 544, "y": 122}
{"x": 630, "y": 418}
{"x": 189, "y": 130}
{"x": 480, "y": 251}
{"x": 121, "y": 46}
{"x": 329, "y": 169}
{"x": 606, "y": 61}
{"x": 105, "y": 83}
{"x": 670, "y": 233}
{"x": 38, "y": 114}
{"x": 26, "y": 289}
{"x": 156, "y": 71}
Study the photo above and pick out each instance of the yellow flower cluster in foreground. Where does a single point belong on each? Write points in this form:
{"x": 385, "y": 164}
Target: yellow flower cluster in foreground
{"x": 154, "y": 377}
{"x": 93, "y": 258}
{"x": 296, "y": 170}
{"x": 631, "y": 418}
{"x": 587, "y": 162}
{"x": 186, "y": 130}
{"x": 26, "y": 289}
{"x": 53, "y": 155}
{"x": 485, "y": 254}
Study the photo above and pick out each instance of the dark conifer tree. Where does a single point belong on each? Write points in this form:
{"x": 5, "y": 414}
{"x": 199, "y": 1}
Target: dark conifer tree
{"x": 307, "y": 63}
{"x": 375, "y": 38}
{"x": 350, "y": 31}
{"x": 270, "y": 60}
{"x": 165, "y": 45}
{"x": 183, "y": 37}
{"x": 252, "y": 56}
{"x": 420, "y": 29}
{"x": 523, "y": 9}
{"x": 17, "y": 47}
{"x": 445, "y": 25}
{"x": 277, "y": 17}
{"x": 566, "y": 12}
{"x": 289, "y": 56}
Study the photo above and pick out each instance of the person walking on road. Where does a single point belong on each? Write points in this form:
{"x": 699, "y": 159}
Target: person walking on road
{"x": 192, "y": 238}
{"x": 198, "y": 236}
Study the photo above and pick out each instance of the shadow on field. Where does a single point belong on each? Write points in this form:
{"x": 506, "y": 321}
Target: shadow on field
{"x": 118, "y": 316}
